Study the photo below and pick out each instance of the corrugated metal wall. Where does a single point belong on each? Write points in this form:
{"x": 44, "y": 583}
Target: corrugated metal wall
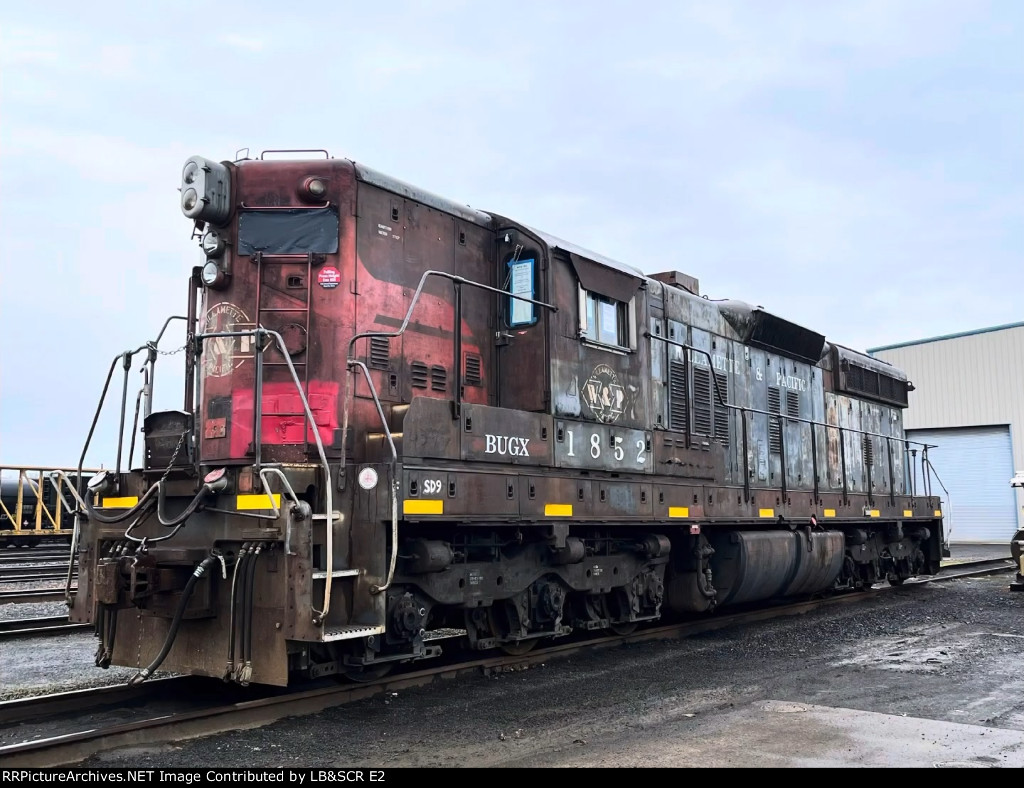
{"x": 967, "y": 381}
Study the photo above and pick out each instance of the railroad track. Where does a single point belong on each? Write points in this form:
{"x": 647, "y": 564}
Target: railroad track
{"x": 33, "y": 595}
{"x": 8, "y": 557}
{"x": 36, "y": 577}
{"x": 223, "y": 707}
{"x": 40, "y": 625}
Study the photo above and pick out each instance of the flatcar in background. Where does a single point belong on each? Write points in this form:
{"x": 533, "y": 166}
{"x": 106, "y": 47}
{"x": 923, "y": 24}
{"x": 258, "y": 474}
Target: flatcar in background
{"x": 402, "y": 413}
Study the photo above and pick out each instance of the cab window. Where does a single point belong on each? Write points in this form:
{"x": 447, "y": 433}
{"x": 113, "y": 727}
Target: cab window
{"x": 605, "y": 321}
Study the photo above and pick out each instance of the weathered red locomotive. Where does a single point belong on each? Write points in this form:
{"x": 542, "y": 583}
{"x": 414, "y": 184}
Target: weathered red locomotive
{"x": 403, "y": 414}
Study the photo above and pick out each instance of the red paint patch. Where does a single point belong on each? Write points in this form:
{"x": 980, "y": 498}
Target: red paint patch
{"x": 282, "y": 398}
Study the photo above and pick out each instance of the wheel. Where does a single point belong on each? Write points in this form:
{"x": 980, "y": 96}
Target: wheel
{"x": 613, "y": 606}
{"x": 512, "y": 648}
{"x": 519, "y": 648}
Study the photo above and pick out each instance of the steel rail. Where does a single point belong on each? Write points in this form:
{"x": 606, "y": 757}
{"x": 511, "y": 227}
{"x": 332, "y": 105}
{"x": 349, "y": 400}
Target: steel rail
{"x": 40, "y": 625}
{"x": 72, "y": 747}
{"x": 32, "y": 595}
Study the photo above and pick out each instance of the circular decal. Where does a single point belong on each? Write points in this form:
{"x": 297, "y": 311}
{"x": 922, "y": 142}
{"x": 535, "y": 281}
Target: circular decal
{"x": 603, "y": 394}
{"x": 221, "y": 355}
{"x": 367, "y": 478}
{"x": 329, "y": 277}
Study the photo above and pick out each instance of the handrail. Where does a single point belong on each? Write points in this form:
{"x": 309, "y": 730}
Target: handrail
{"x": 949, "y": 503}
{"x": 351, "y": 362}
{"x": 126, "y": 362}
{"x": 781, "y": 418}
{"x": 258, "y": 334}
{"x": 393, "y": 465}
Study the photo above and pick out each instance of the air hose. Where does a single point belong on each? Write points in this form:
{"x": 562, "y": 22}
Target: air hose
{"x": 172, "y": 632}
{"x": 240, "y": 561}
{"x": 245, "y": 674}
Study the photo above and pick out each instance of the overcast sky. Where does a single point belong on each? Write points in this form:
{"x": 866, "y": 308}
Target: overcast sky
{"x": 856, "y": 166}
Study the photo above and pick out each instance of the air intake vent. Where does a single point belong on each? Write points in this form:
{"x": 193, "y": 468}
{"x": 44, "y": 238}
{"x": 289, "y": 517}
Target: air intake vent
{"x": 702, "y": 424}
{"x": 793, "y": 404}
{"x": 721, "y": 412}
{"x": 677, "y": 415}
{"x": 380, "y": 352}
{"x": 438, "y": 378}
{"x": 774, "y": 431}
{"x": 419, "y": 375}
{"x": 869, "y": 450}
{"x": 473, "y": 377}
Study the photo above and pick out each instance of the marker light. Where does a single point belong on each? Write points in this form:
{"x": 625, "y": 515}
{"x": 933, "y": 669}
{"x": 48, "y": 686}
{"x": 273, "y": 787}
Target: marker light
{"x": 314, "y": 188}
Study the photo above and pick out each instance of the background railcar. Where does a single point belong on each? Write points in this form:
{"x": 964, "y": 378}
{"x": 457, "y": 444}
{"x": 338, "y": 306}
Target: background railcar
{"x": 32, "y": 511}
{"x": 402, "y": 413}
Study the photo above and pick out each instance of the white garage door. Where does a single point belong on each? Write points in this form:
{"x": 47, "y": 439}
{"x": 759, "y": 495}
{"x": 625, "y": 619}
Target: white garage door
{"x": 976, "y": 465}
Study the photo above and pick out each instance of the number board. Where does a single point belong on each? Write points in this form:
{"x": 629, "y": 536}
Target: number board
{"x": 602, "y": 446}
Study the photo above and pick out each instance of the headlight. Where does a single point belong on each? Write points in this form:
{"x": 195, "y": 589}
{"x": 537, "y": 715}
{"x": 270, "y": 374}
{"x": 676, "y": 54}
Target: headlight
{"x": 213, "y": 276}
{"x": 188, "y": 175}
{"x": 206, "y": 190}
{"x": 212, "y": 243}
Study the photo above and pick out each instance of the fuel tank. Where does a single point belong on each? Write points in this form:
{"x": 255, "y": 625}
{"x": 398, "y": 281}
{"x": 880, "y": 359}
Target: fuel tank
{"x": 753, "y": 565}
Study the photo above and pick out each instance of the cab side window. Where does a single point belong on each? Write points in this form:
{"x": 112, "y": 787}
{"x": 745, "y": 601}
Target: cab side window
{"x": 605, "y": 321}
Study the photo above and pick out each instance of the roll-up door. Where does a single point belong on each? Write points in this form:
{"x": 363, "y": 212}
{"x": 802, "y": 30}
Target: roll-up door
{"x": 975, "y": 464}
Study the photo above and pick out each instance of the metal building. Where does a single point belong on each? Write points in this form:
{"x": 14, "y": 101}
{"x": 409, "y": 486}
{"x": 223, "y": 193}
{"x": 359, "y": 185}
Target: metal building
{"x": 969, "y": 402}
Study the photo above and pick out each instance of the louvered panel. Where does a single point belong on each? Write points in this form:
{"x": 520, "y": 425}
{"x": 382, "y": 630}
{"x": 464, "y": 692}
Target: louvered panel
{"x": 473, "y": 364}
{"x": 868, "y": 449}
{"x": 774, "y": 433}
{"x": 793, "y": 404}
{"x": 721, "y": 412}
{"x": 702, "y": 414}
{"x": 677, "y": 405}
{"x": 380, "y": 352}
{"x": 419, "y": 374}
{"x": 438, "y": 378}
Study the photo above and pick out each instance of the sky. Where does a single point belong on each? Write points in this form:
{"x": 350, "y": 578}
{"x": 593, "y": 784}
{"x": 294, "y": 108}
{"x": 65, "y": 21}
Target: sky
{"x": 855, "y": 166}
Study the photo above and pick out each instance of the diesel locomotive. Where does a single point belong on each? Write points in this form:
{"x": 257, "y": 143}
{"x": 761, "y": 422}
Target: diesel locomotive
{"x": 403, "y": 414}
